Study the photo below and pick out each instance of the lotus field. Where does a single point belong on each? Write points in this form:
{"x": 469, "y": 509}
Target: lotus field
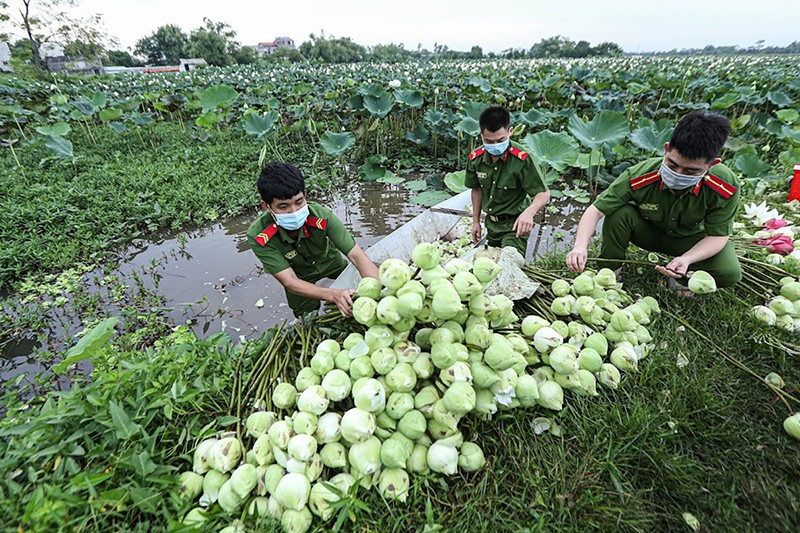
{"x": 442, "y": 405}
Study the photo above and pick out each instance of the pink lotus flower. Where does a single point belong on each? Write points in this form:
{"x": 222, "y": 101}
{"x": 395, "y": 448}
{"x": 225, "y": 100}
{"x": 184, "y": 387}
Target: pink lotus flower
{"x": 780, "y": 244}
{"x": 774, "y": 223}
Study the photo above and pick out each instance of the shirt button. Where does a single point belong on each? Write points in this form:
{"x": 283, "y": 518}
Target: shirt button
{"x": 495, "y": 168}
{"x": 673, "y": 218}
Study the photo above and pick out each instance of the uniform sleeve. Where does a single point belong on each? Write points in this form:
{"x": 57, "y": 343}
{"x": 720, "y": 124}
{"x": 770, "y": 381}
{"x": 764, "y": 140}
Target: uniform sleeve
{"x": 339, "y": 234}
{"x": 471, "y": 177}
{"x": 718, "y": 221}
{"x": 272, "y": 260}
{"x": 619, "y": 193}
{"x": 532, "y": 177}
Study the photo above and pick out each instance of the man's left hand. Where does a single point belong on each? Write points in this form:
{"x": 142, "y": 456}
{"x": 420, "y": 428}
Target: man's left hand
{"x": 676, "y": 268}
{"x": 524, "y": 223}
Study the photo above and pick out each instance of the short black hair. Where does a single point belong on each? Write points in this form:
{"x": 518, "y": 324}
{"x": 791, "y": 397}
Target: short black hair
{"x": 494, "y": 118}
{"x": 280, "y": 180}
{"x": 700, "y": 135}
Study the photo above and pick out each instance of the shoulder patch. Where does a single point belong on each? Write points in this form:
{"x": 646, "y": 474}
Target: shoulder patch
{"x": 476, "y": 153}
{"x": 516, "y": 152}
{"x": 319, "y": 223}
{"x": 723, "y": 188}
{"x": 263, "y": 238}
{"x": 641, "y": 181}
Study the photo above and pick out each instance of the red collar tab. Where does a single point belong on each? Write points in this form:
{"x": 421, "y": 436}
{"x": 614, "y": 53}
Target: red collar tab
{"x": 696, "y": 188}
{"x": 263, "y": 238}
{"x": 477, "y": 153}
{"x": 318, "y": 223}
{"x": 505, "y": 156}
{"x": 516, "y": 152}
{"x": 641, "y": 181}
{"x": 722, "y": 187}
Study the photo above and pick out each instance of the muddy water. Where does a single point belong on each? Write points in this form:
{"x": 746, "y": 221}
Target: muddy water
{"x": 211, "y": 280}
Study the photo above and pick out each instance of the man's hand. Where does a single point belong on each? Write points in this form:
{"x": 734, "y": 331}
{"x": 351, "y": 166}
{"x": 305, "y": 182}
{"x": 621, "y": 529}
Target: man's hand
{"x": 524, "y": 223}
{"x": 576, "y": 259}
{"x": 343, "y": 298}
{"x": 676, "y": 268}
{"x": 476, "y": 232}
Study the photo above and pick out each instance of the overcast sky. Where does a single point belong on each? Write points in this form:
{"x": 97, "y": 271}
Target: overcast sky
{"x": 460, "y": 24}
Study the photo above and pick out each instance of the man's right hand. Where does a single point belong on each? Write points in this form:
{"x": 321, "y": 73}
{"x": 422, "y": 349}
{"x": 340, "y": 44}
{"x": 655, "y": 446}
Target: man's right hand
{"x": 343, "y": 298}
{"x": 476, "y": 232}
{"x": 576, "y": 259}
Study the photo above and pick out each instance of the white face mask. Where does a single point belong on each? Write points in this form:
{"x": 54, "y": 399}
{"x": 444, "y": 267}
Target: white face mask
{"x": 676, "y": 181}
{"x": 292, "y": 221}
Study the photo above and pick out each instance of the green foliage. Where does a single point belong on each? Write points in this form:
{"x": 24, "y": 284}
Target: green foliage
{"x": 332, "y": 50}
{"x": 121, "y": 58}
{"x": 336, "y": 144}
{"x": 165, "y": 46}
{"x": 215, "y": 42}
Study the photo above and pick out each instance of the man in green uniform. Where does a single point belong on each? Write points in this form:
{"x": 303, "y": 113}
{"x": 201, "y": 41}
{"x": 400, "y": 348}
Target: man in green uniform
{"x": 503, "y": 179}
{"x": 302, "y": 242}
{"x": 682, "y": 204}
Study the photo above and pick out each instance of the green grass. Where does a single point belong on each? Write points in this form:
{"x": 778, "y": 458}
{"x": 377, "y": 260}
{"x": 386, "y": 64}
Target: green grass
{"x": 705, "y": 439}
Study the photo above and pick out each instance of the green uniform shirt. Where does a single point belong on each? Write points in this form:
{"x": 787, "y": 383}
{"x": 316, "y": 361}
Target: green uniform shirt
{"x": 709, "y": 208}
{"x": 508, "y": 184}
{"x": 314, "y": 254}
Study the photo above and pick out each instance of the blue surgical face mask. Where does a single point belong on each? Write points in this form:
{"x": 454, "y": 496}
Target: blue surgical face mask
{"x": 496, "y": 149}
{"x": 676, "y": 181}
{"x": 292, "y": 221}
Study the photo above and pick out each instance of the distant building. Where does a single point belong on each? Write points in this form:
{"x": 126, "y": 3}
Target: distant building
{"x": 74, "y": 65}
{"x": 268, "y": 48}
{"x": 47, "y": 50}
{"x": 188, "y": 65}
{"x": 5, "y": 57}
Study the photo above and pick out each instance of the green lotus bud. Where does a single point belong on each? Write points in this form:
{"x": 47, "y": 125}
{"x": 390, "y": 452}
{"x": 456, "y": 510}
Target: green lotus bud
{"x": 551, "y": 396}
{"x": 483, "y": 376}
{"x": 212, "y": 482}
{"x": 702, "y": 282}
{"x": 306, "y": 378}
{"x": 196, "y": 517}
{"x": 398, "y": 404}
{"x": 394, "y": 484}
{"x": 542, "y": 374}
{"x": 446, "y": 303}
{"x": 408, "y": 305}
{"x": 313, "y": 400}
{"x": 378, "y": 337}
{"x": 560, "y": 287}
{"x": 369, "y": 395}
{"x": 764, "y": 314}
{"x": 583, "y": 284}
{"x": 624, "y": 357}
{"x": 365, "y": 309}
{"x": 369, "y": 288}
{"x": 775, "y": 380}
{"x": 243, "y": 480}
{"x": 258, "y": 507}
{"x": 444, "y": 355}
{"x": 305, "y": 423}
{"x": 568, "y": 381}
{"x": 467, "y": 285}
{"x": 284, "y": 396}
{"x": 394, "y": 273}
{"x": 269, "y": 478}
{"x": 279, "y": 434}
{"x": 485, "y": 269}
{"x": 191, "y": 485}
{"x": 781, "y": 306}
{"x": 623, "y": 321}
{"x": 412, "y": 424}
{"x": 418, "y": 460}
{"x": 500, "y": 355}
{"x": 425, "y": 255}
{"x": 597, "y": 342}
{"x": 546, "y": 338}
{"x": 640, "y": 313}
{"x": 320, "y": 500}
{"x": 387, "y": 312}
{"x": 484, "y": 402}
{"x": 383, "y": 360}
{"x": 428, "y": 275}
{"x": 334, "y": 455}
{"x": 471, "y": 458}
{"x": 605, "y": 278}
{"x": 564, "y": 359}
{"x": 423, "y": 366}
{"x": 642, "y": 335}
{"x": 527, "y": 391}
{"x": 200, "y": 463}
{"x": 365, "y": 457}
{"x": 407, "y": 351}
{"x": 443, "y": 458}
{"x": 590, "y": 360}
{"x": 792, "y": 425}
{"x": 225, "y": 454}
{"x": 588, "y": 383}
{"x": 396, "y": 450}
{"x": 532, "y": 323}
{"x": 459, "y": 371}
{"x": 481, "y": 305}
{"x": 459, "y": 398}
{"x": 296, "y": 521}
{"x": 425, "y": 399}
{"x": 584, "y": 304}
{"x": 228, "y": 500}
{"x": 609, "y": 376}
{"x": 503, "y": 306}
{"x": 259, "y": 422}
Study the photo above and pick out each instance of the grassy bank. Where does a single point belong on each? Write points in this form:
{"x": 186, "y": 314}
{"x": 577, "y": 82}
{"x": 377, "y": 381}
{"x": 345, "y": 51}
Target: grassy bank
{"x": 688, "y": 433}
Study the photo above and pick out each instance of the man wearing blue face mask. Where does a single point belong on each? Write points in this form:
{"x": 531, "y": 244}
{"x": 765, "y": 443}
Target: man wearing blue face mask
{"x": 682, "y": 204}
{"x": 301, "y": 242}
{"x": 506, "y": 183}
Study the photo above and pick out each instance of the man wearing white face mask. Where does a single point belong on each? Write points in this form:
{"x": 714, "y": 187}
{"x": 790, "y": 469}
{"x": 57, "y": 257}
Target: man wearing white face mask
{"x": 506, "y": 183}
{"x": 300, "y": 242}
{"x": 682, "y": 204}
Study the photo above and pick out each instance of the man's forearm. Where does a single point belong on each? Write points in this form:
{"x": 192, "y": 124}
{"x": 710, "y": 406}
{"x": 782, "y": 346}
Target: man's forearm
{"x": 477, "y": 201}
{"x": 586, "y": 226}
{"x": 309, "y": 290}
{"x": 707, "y": 247}
{"x": 363, "y": 264}
{"x": 539, "y": 201}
